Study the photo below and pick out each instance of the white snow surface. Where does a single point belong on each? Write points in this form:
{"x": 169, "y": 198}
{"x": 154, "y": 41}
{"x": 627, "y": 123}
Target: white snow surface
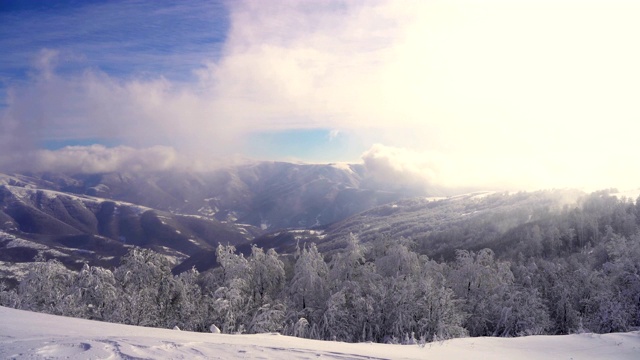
{"x": 28, "y": 335}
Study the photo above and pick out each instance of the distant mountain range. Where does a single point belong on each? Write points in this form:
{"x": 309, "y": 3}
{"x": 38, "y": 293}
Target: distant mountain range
{"x": 95, "y": 218}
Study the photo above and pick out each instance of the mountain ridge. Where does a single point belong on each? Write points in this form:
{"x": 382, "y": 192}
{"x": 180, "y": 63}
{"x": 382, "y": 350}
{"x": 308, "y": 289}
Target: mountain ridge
{"x": 92, "y": 217}
{"x": 96, "y": 218}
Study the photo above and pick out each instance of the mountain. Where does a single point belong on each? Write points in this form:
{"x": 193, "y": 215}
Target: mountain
{"x": 269, "y": 195}
{"x": 80, "y": 228}
{"x": 94, "y": 218}
{"x": 184, "y": 215}
{"x": 436, "y": 226}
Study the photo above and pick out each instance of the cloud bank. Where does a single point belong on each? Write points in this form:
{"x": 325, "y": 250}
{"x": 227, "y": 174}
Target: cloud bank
{"x": 461, "y": 93}
{"x": 402, "y": 168}
{"x": 98, "y": 159}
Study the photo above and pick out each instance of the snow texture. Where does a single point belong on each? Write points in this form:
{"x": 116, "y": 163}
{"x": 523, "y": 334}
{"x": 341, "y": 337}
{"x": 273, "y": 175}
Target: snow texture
{"x": 27, "y": 335}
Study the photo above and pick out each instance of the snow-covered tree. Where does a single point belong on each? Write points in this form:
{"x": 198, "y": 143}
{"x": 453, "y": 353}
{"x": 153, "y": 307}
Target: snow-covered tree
{"x": 482, "y": 283}
{"x": 187, "y": 309}
{"x": 356, "y": 292}
{"x": 348, "y": 264}
{"x": 417, "y": 300}
{"x": 523, "y": 313}
{"x": 47, "y": 288}
{"x": 8, "y": 297}
{"x": 266, "y": 281}
{"x": 268, "y": 318}
{"x": 614, "y": 301}
{"x": 98, "y": 294}
{"x": 439, "y": 314}
{"x": 308, "y": 288}
{"x": 266, "y": 274}
{"x": 145, "y": 279}
{"x": 232, "y": 299}
{"x": 394, "y": 258}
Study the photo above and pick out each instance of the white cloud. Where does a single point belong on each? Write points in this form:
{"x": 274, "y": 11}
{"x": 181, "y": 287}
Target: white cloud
{"x": 400, "y": 167}
{"x": 333, "y": 134}
{"x": 535, "y": 94}
{"x": 96, "y": 159}
{"x": 447, "y": 173}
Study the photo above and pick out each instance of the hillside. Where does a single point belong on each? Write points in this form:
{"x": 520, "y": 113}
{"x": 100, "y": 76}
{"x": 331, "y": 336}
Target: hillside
{"x": 435, "y": 226}
{"x": 95, "y": 218}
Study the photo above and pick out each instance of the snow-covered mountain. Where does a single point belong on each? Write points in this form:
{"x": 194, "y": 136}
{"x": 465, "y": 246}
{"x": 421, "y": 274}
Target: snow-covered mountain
{"x": 436, "y": 225}
{"x": 270, "y": 195}
{"x": 93, "y": 218}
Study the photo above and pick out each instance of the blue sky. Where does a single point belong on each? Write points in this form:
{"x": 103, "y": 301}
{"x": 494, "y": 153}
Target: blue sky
{"x": 122, "y": 38}
{"x": 498, "y": 94}
{"x": 134, "y": 40}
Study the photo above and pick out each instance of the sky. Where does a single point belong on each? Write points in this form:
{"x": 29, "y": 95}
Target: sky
{"x": 498, "y": 94}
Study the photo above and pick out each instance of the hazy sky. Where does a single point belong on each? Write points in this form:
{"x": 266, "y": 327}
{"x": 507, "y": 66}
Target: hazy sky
{"x": 501, "y": 94}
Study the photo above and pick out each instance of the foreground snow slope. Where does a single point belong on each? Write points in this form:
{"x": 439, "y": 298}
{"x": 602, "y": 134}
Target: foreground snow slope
{"x": 31, "y": 335}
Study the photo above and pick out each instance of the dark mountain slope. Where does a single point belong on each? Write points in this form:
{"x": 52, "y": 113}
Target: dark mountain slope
{"x": 80, "y": 228}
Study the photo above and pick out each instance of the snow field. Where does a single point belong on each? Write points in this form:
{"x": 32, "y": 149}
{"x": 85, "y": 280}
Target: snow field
{"x": 28, "y": 335}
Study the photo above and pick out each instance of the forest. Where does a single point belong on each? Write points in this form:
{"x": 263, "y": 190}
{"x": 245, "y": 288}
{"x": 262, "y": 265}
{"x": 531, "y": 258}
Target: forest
{"x": 573, "y": 270}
